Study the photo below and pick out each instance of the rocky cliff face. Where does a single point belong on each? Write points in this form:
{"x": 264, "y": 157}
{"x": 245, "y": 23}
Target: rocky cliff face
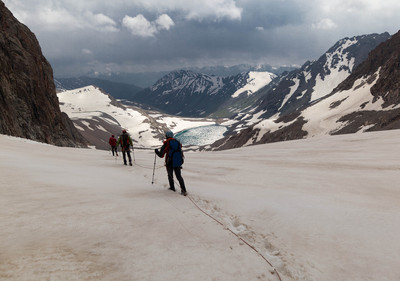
{"x": 29, "y": 106}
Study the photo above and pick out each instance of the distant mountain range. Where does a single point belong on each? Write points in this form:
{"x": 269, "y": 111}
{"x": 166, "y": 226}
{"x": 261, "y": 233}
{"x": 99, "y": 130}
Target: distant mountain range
{"x": 225, "y": 71}
{"x": 147, "y": 79}
{"x": 184, "y": 92}
{"x": 191, "y": 94}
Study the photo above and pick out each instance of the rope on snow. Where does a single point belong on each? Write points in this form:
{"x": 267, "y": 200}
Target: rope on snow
{"x": 240, "y": 238}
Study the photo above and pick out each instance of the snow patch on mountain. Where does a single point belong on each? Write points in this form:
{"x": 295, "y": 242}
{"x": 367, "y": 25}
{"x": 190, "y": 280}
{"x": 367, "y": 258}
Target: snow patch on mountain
{"x": 90, "y": 102}
{"x": 339, "y": 64}
{"x": 292, "y": 91}
{"x": 216, "y": 85}
{"x": 255, "y": 81}
{"x": 323, "y": 117}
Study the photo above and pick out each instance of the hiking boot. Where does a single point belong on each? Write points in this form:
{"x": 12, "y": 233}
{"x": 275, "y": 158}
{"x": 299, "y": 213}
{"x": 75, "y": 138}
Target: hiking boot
{"x": 173, "y": 189}
{"x": 184, "y": 193}
{"x": 130, "y": 164}
{"x": 125, "y": 163}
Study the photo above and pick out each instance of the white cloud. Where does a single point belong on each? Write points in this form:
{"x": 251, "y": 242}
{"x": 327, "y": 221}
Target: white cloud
{"x": 100, "y": 22}
{"x": 164, "y": 22}
{"x": 195, "y": 9}
{"x": 51, "y": 19}
{"x": 260, "y": 28}
{"x": 56, "y": 16}
{"x": 324, "y": 24}
{"x": 140, "y": 26}
{"x": 87, "y": 52}
{"x": 214, "y": 9}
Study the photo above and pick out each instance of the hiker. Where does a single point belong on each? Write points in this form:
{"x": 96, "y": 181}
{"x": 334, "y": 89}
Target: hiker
{"x": 113, "y": 143}
{"x": 125, "y": 142}
{"x": 172, "y": 149}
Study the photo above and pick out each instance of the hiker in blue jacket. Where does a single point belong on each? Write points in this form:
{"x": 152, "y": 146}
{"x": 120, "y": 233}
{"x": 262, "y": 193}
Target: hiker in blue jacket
{"x": 172, "y": 150}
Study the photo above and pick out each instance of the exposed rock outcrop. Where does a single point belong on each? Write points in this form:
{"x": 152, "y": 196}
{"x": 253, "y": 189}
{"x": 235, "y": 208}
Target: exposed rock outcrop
{"x": 29, "y": 105}
{"x": 382, "y": 64}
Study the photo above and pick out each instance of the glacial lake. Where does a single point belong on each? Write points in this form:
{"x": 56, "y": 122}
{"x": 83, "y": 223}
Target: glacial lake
{"x": 203, "y": 135}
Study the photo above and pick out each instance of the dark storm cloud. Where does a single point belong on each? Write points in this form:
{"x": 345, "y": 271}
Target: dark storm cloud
{"x": 141, "y": 35}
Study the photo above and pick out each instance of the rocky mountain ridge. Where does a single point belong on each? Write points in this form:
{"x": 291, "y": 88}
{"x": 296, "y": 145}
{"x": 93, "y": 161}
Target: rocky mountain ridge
{"x": 367, "y": 100}
{"x": 316, "y": 79}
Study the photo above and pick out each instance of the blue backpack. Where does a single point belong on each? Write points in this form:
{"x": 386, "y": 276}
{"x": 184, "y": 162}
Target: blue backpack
{"x": 175, "y": 154}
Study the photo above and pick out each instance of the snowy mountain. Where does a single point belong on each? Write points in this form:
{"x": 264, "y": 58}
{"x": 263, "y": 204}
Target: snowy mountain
{"x": 295, "y": 106}
{"x": 193, "y": 94}
{"x": 316, "y": 79}
{"x": 97, "y": 116}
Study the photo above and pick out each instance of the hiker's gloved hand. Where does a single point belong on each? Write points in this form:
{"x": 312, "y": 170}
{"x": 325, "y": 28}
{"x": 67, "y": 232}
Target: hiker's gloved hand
{"x": 156, "y": 151}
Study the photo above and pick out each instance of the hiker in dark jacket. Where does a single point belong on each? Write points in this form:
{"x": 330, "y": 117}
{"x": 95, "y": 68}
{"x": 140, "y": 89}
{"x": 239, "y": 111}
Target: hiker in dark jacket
{"x": 172, "y": 150}
{"x": 125, "y": 142}
{"x": 113, "y": 143}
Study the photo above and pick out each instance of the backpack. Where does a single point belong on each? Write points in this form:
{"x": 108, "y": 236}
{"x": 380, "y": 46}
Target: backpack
{"x": 125, "y": 141}
{"x": 112, "y": 141}
{"x": 175, "y": 153}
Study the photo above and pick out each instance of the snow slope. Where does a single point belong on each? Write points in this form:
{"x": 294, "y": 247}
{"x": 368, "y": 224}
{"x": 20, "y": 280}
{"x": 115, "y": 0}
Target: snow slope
{"x": 325, "y": 208}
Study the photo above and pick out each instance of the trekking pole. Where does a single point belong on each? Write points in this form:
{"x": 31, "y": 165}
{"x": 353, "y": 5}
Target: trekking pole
{"x": 154, "y": 168}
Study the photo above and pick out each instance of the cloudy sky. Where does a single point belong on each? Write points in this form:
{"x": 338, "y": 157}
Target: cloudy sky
{"x": 151, "y": 35}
